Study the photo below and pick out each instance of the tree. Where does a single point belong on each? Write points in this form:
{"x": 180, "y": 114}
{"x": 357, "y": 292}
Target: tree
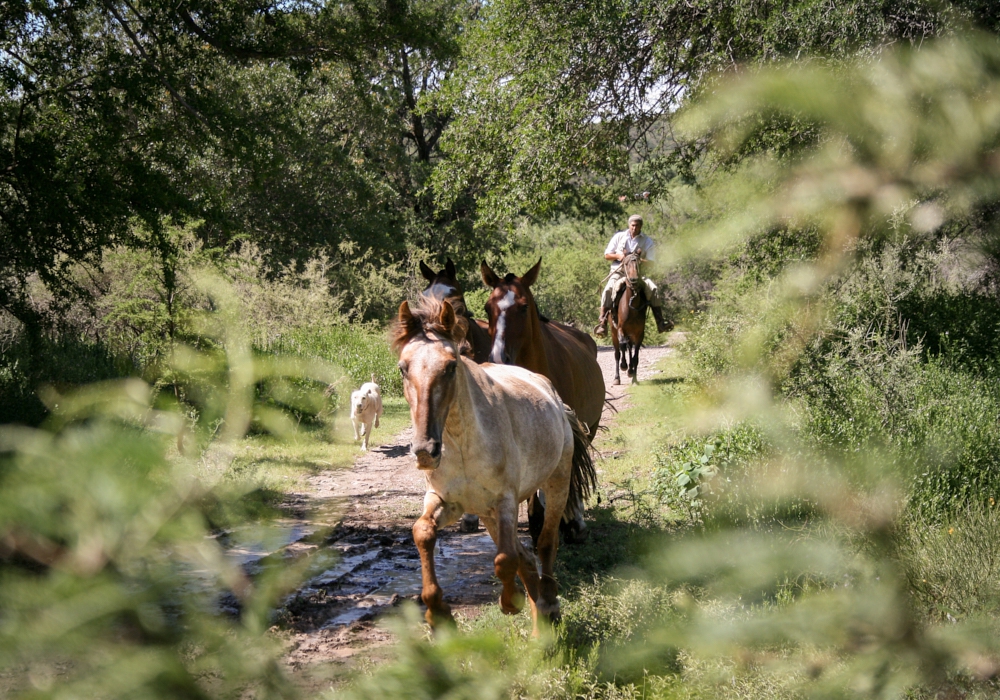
{"x": 294, "y": 125}
{"x": 555, "y": 96}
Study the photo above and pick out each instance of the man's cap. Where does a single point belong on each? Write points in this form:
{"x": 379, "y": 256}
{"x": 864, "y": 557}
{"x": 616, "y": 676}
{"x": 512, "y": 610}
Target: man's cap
{"x": 634, "y": 217}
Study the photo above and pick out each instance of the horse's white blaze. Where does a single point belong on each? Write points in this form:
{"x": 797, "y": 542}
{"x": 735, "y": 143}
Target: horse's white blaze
{"x": 499, "y": 341}
{"x": 439, "y": 290}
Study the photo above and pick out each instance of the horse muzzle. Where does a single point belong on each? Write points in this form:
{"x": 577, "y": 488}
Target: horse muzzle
{"x": 428, "y": 455}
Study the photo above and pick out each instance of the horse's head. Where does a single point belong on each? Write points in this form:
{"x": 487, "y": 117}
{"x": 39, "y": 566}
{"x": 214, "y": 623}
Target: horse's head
{"x": 512, "y": 312}
{"x": 444, "y": 285}
{"x": 427, "y": 339}
{"x": 630, "y": 266}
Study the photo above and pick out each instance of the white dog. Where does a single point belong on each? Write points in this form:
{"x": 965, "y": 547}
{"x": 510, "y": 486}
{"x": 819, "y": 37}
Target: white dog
{"x": 366, "y": 409}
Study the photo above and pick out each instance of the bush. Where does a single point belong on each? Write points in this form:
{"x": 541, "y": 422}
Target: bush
{"x": 953, "y": 567}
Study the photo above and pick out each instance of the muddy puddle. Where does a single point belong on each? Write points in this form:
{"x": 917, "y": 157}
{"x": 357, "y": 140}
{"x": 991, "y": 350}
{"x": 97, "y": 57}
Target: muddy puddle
{"x": 358, "y": 572}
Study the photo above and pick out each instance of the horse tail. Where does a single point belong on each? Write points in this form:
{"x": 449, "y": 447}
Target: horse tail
{"x": 583, "y": 476}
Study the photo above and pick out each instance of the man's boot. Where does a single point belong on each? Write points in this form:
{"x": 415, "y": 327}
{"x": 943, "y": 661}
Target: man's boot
{"x": 661, "y": 325}
{"x": 601, "y": 329}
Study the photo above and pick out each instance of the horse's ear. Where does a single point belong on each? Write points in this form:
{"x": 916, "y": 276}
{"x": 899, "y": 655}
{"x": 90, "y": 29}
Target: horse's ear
{"x": 460, "y": 331}
{"x": 449, "y": 267}
{"x": 404, "y": 313}
{"x": 407, "y": 326}
{"x": 489, "y": 277}
{"x": 529, "y": 277}
{"x": 426, "y": 272}
{"x": 447, "y": 317}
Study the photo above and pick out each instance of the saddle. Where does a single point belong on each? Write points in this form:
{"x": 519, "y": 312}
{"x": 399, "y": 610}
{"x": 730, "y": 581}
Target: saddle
{"x": 619, "y": 290}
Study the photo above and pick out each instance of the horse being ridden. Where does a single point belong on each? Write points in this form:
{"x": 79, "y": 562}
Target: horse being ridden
{"x": 443, "y": 285}
{"x": 628, "y": 322}
{"x": 487, "y": 437}
{"x": 565, "y": 355}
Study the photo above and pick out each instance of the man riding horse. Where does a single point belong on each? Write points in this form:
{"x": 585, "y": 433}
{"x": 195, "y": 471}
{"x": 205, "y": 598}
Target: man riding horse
{"x": 623, "y": 243}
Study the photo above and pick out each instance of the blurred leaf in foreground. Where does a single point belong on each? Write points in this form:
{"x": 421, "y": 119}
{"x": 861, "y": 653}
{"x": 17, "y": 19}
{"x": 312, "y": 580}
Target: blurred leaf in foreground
{"x": 109, "y": 576}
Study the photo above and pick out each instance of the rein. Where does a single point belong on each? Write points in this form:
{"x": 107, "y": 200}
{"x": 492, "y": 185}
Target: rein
{"x": 630, "y": 281}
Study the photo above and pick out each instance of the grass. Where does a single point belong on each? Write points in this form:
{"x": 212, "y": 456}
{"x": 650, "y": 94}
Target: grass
{"x": 271, "y": 468}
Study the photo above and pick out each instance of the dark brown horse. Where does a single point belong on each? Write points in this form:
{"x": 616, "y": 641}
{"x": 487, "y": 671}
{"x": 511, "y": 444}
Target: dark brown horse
{"x": 628, "y": 322}
{"x": 444, "y": 286}
{"x": 568, "y": 357}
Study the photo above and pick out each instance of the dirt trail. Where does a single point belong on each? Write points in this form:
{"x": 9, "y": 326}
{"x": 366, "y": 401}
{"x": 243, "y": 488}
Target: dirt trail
{"x": 372, "y": 507}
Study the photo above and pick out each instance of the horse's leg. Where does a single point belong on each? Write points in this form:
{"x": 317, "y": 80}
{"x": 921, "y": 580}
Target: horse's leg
{"x": 536, "y": 515}
{"x": 618, "y": 356}
{"x": 573, "y": 528}
{"x": 508, "y": 559}
{"x": 546, "y": 604}
{"x": 633, "y": 369}
{"x": 437, "y": 514}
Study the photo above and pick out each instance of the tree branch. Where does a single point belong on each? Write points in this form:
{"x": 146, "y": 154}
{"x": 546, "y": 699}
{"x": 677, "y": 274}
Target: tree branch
{"x": 163, "y": 81}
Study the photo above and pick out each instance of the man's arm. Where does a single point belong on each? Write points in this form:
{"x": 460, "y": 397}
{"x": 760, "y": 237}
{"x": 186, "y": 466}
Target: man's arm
{"x": 611, "y": 252}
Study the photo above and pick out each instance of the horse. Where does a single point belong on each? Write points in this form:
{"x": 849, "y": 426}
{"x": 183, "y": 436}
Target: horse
{"x": 487, "y": 437}
{"x": 628, "y": 322}
{"x": 568, "y": 357}
{"x": 444, "y": 285}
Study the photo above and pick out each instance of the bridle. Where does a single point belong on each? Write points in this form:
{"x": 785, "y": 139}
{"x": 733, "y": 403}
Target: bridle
{"x": 630, "y": 265}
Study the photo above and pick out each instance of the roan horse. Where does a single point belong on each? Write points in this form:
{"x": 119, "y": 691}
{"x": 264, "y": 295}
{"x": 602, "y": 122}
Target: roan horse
{"x": 444, "y": 286}
{"x": 487, "y": 437}
{"x": 568, "y": 357}
{"x": 628, "y": 322}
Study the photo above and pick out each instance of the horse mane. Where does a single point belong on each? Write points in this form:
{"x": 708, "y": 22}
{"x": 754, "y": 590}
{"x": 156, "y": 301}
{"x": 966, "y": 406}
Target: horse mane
{"x": 425, "y": 317}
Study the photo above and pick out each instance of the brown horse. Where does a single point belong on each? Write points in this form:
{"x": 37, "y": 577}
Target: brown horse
{"x": 486, "y": 437}
{"x": 628, "y": 322}
{"x": 568, "y": 357}
{"x": 444, "y": 285}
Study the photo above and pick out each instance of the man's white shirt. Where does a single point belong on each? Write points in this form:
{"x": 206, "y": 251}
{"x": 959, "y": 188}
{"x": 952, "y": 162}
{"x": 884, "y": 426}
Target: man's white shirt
{"x": 622, "y": 242}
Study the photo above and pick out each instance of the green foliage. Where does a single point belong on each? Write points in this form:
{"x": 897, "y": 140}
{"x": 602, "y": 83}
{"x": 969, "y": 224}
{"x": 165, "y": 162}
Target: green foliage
{"x": 362, "y": 351}
{"x": 690, "y": 470}
{"x": 951, "y": 566}
{"x": 551, "y": 99}
{"x": 110, "y": 579}
{"x": 142, "y": 303}
{"x": 569, "y": 286}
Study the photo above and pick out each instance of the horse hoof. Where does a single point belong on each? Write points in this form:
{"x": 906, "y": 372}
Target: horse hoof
{"x": 469, "y": 523}
{"x": 514, "y": 606}
{"x": 616, "y": 382}
{"x": 440, "y": 619}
